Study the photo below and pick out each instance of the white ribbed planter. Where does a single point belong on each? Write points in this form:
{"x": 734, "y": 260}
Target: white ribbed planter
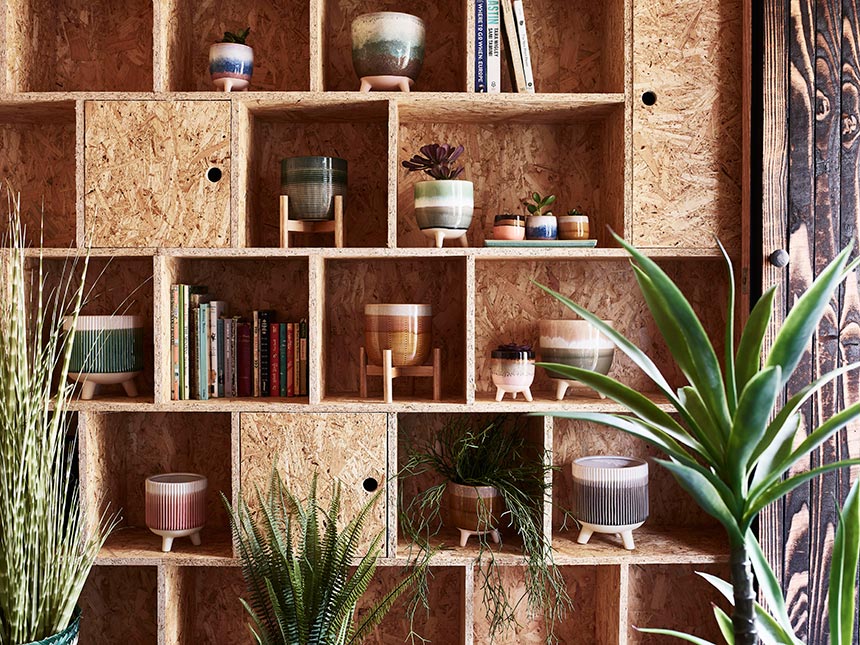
{"x": 176, "y": 506}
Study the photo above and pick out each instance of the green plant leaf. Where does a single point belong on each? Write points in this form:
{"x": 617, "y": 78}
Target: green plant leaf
{"x": 803, "y": 317}
{"x": 725, "y": 625}
{"x": 776, "y": 451}
{"x": 732, "y": 391}
{"x": 703, "y": 427}
{"x": 536, "y": 197}
{"x": 748, "y": 359}
{"x": 531, "y": 208}
{"x": 843, "y": 570}
{"x": 675, "y": 634}
{"x": 550, "y": 199}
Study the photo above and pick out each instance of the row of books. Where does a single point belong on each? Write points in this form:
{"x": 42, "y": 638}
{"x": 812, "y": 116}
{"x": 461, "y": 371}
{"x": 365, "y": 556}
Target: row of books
{"x": 497, "y": 20}
{"x": 216, "y": 355}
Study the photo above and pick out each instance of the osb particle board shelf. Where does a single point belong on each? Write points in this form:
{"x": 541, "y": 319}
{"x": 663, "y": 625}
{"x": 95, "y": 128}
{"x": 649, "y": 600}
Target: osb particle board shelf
{"x": 138, "y": 546}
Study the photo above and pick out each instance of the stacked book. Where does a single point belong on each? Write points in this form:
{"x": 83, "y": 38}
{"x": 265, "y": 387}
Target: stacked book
{"x": 217, "y": 355}
{"x": 495, "y": 21}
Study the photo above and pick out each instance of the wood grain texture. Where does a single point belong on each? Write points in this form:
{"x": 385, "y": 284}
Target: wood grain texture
{"x": 145, "y": 189}
{"x": 279, "y": 36}
{"x": 346, "y": 447}
{"x": 444, "y": 68}
{"x": 212, "y": 612}
{"x": 120, "y": 605}
{"x": 687, "y": 148}
{"x": 73, "y": 45}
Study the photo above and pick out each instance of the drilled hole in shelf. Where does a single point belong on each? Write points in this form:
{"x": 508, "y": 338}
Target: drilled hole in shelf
{"x": 649, "y": 98}
{"x": 214, "y": 174}
{"x": 370, "y": 484}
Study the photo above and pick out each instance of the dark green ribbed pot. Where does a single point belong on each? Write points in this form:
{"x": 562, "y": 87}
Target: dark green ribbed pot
{"x": 69, "y": 636}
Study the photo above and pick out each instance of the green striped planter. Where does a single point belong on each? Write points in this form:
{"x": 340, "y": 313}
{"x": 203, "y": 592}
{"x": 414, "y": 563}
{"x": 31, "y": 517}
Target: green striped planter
{"x": 69, "y": 636}
{"x": 444, "y": 207}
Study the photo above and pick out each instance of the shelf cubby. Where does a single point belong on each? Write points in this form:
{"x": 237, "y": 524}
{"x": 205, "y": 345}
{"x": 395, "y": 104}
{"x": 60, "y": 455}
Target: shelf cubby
{"x": 354, "y": 131}
{"x": 444, "y": 68}
{"x": 120, "y": 605}
{"x": 201, "y": 605}
{"x": 350, "y": 284}
{"x": 301, "y": 444}
{"x": 279, "y": 37}
{"x": 79, "y": 45}
{"x": 43, "y": 131}
{"x": 575, "y": 152}
{"x": 119, "y": 451}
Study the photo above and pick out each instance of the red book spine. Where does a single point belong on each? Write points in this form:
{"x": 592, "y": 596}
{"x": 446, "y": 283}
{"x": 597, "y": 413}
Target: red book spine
{"x": 244, "y": 359}
{"x": 274, "y": 360}
{"x": 291, "y": 358}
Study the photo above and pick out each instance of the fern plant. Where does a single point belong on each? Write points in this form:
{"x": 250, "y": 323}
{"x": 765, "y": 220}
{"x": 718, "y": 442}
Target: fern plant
{"x": 297, "y": 565}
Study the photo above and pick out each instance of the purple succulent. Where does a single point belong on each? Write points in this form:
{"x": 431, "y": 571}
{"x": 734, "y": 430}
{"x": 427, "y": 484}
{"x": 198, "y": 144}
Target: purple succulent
{"x": 437, "y": 160}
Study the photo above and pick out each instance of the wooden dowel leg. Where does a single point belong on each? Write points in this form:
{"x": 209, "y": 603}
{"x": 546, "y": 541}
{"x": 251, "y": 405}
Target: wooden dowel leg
{"x": 387, "y": 376}
{"x": 362, "y": 373}
{"x": 437, "y": 374}
{"x": 285, "y": 216}
{"x": 338, "y": 221}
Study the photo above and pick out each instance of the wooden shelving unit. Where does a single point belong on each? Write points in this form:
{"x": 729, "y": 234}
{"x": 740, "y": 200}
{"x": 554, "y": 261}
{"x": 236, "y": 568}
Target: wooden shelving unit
{"x": 106, "y": 114}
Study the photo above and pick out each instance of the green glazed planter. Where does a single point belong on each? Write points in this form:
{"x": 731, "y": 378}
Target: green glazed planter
{"x": 444, "y": 207}
{"x": 69, "y": 636}
{"x": 311, "y": 183}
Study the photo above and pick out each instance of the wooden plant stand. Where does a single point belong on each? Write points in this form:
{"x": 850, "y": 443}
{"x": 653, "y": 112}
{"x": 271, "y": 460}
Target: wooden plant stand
{"x": 299, "y": 226}
{"x": 388, "y": 373}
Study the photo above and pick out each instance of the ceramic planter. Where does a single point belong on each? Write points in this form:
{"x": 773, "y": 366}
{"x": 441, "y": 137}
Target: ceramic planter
{"x": 610, "y": 495}
{"x": 541, "y": 227}
{"x": 573, "y": 227}
{"x": 106, "y": 350}
{"x": 407, "y": 330}
{"x": 509, "y": 227}
{"x": 444, "y": 208}
{"x": 311, "y": 183}
{"x": 231, "y": 66}
{"x": 576, "y": 343}
{"x": 474, "y": 510}
{"x": 387, "y": 50}
{"x": 513, "y": 370}
{"x": 176, "y": 506}
{"x": 69, "y": 636}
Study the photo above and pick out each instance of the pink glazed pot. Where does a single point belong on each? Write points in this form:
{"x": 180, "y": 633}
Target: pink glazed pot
{"x": 176, "y": 506}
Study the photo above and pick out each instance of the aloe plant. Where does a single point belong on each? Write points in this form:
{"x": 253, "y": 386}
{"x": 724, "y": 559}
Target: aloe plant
{"x": 734, "y": 445}
{"x": 298, "y": 568}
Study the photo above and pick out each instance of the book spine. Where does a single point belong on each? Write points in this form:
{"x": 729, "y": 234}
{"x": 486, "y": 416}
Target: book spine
{"x": 219, "y": 344}
{"x": 303, "y": 349}
{"x": 511, "y": 41}
{"x": 195, "y": 352}
{"x": 244, "y": 359}
{"x": 274, "y": 359}
{"x": 255, "y": 340}
{"x": 291, "y": 359}
{"x": 174, "y": 342}
{"x": 228, "y": 357}
{"x": 265, "y": 352}
{"x": 494, "y": 54}
{"x": 216, "y": 310}
{"x": 520, "y": 15}
{"x": 203, "y": 351}
{"x": 480, "y": 45}
{"x": 185, "y": 356}
{"x": 282, "y": 359}
{"x": 297, "y": 364}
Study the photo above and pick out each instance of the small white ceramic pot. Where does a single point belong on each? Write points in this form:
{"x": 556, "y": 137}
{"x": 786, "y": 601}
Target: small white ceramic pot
{"x": 231, "y": 66}
{"x": 541, "y": 227}
{"x": 176, "y": 506}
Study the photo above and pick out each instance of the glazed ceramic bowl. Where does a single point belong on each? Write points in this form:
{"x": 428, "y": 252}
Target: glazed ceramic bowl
{"x": 176, "y": 506}
{"x": 576, "y": 343}
{"x": 231, "y": 66}
{"x": 387, "y": 44}
{"x": 610, "y": 495}
{"x": 444, "y": 205}
{"x": 407, "y": 330}
{"x": 311, "y": 183}
{"x": 509, "y": 227}
{"x": 541, "y": 227}
{"x": 573, "y": 227}
{"x": 106, "y": 350}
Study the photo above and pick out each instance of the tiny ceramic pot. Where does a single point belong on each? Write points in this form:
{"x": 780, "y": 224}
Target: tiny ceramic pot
{"x": 509, "y": 227}
{"x": 387, "y": 50}
{"x": 407, "y": 330}
{"x": 443, "y": 208}
{"x": 513, "y": 370}
{"x": 176, "y": 506}
{"x": 573, "y": 227}
{"x": 106, "y": 350}
{"x": 231, "y": 66}
{"x": 474, "y": 510}
{"x": 541, "y": 227}
{"x": 576, "y": 343}
{"x": 69, "y": 636}
{"x": 610, "y": 495}
{"x": 311, "y": 183}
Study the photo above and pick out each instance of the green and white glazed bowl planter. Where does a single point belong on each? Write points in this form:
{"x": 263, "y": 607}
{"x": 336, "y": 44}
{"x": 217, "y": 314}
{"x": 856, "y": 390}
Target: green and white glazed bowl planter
{"x": 311, "y": 183}
{"x": 69, "y": 636}
{"x": 387, "y": 50}
{"x": 106, "y": 350}
{"x": 443, "y": 209}
{"x": 576, "y": 343}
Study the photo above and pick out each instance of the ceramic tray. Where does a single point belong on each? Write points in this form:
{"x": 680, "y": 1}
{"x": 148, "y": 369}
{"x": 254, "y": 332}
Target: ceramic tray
{"x": 582, "y": 244}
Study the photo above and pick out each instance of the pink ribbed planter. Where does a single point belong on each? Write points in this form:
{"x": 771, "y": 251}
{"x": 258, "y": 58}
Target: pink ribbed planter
{"x": 176, "y": 506}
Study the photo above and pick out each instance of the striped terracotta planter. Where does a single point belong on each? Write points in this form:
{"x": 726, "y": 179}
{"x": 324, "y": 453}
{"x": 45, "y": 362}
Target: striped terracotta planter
{"x": 176, "y": 506}
{"x": 407, "y": 330}
{"x": 474, "y": 508}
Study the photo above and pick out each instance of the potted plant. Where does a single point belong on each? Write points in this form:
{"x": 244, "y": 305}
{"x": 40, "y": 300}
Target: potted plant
{"x": 231, "y": 61}
{"x": 492, "y": 483}
{"x": 47, "y": 547}
{"x": 443, "y": 205}
{"x": 734, "y": 446}
{"x": 541, "y": 224}
{"x": 300, "y": 568}
{"x": 573, "y": 226}
{"x": 387, "y": 50}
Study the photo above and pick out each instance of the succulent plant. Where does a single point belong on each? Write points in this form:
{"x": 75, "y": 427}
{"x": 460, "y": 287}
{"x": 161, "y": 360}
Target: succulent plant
{"x": 437, "y": 160}
{"x": 515, "y": 347}
{"x": 239, "y": 38}
{"x": 575, "y": 212}
{"x": 540, "y": 205}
